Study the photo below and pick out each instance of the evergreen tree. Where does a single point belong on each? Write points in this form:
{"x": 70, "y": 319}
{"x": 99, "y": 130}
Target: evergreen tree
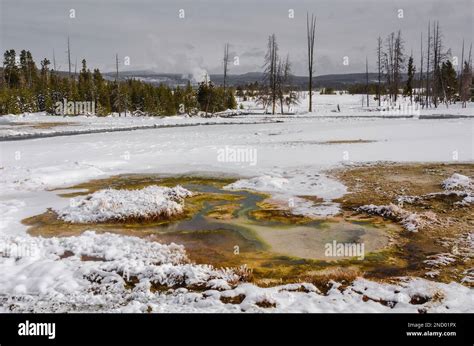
{"x": 43, "y": 94}
{"x": 27, "y": 89}
{"x": 408, "y": 90}
{"x": 230, "y": 101}
{"x": 449, "y": 80}
{"x": 85, "y": 84}
{"x": 11, "y": 71}
{"x": 101, "y": 96}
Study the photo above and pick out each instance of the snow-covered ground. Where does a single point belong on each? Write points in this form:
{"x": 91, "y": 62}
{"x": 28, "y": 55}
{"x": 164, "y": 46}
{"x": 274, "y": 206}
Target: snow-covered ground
{"x": 36, "y": 125}
{"x": 291, "y": 157}
{"x": 355, "y": 106}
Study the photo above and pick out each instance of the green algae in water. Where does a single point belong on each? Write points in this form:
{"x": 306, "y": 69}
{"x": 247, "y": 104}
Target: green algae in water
{"x": 275, "y": 249}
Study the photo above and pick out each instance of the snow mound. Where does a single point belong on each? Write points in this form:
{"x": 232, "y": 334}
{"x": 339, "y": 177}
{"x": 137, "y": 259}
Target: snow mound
{"x": 469, "y": 199}
{"x": 411, "y": 221}
{"x": 457, "y": 185}
{"x": 457, "y": 181}
{"x": 461, "y": 185}
{"x": 262, "y": 183}
{"x": 116, "y": 205}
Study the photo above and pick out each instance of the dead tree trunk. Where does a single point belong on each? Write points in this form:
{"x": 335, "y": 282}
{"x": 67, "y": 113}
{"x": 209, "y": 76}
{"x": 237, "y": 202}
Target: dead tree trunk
{"x": 226, "y": 65}
{"x": 69, "y": 57}
{"x": 379, "y": 67}
{"x": 420, "y": 93}
{"x": 427, "y": 100}
{"x": 367, "y": 79}
{"x": 310, "y": 33}
{"x": 460, "y": 72}
{"x": 118, "y": 86}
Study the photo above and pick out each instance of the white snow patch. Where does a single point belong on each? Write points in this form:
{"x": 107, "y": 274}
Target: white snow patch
{"x": 457, "y": 181}
{"x": 90, "y": 265}
{"x": 265, "y": 183}
{"x": 411, "y": 221}
{"x": 440, "y": 260}
{"x": 288, "y": 187}
{"x": 110, "y": 204}
{"x": 462, "y": 185}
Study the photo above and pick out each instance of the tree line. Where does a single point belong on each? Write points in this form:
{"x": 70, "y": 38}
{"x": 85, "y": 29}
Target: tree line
{"x": 276, "y": 89}
{"x": 438, "y": 81}
{"x": 28, "y": 88}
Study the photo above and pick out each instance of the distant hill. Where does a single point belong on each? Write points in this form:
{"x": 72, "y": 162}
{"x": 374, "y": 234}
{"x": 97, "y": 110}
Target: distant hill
{"x": 337, "y": 81}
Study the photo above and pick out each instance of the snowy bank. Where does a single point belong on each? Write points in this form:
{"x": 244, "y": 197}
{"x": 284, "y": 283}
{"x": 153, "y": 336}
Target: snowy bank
{"x": 41, "y": 125}
{"x": 151, "y": 202}
{"x": 113, "y": 273}
{"x": 457, "y": 184}
{"x": 96, "y": 264}
{"x": 457, "y": 181}
{"x": 411, "y": 221}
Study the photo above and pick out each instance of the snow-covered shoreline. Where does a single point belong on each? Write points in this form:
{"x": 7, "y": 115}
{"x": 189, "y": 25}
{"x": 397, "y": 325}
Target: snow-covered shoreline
{"x": 28, "y": 126}
{"x": 23, "y": 126}
{"x": 55, "y": 275}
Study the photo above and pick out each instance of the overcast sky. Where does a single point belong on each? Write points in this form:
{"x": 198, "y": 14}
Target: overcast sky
{"x": 155, "y": 38}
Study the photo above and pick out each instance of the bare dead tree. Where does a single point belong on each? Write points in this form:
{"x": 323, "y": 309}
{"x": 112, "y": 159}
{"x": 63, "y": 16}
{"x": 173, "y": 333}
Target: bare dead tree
{"x": 399, "y": 61}
{"x": 367, "y": 79}
{"x": 271, "y": 68}
{"x": 421, "y": 71}
{"x": 280, "y": 78}
{"x": 438, "y": 84}
{"x": 427, "y": 101}
{"x": 388, "y": 63}
{"x": 292, "y": 96}
{"x": 117, "y": 81}
{"x": 226, "y": 64}
{"x": 469, "y": 60}
{"x": 283, "y": 77}
{"x": 310, "y": 33}
{"x": 461, "y": 70}
{"x": 435, "y": 66}
{"x": 69, "y": 56}
{"x": 379, "y": 67}
{"x": 466, "y": 80}
{"x": 54, "y": 61}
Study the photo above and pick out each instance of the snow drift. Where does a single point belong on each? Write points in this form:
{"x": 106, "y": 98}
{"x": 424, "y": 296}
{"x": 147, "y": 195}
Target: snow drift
{"x": 411, "y": 221}
{"x": 457, "y": 181}
{"x": 462, "y": 186}
{"x": 151, "y": 202}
